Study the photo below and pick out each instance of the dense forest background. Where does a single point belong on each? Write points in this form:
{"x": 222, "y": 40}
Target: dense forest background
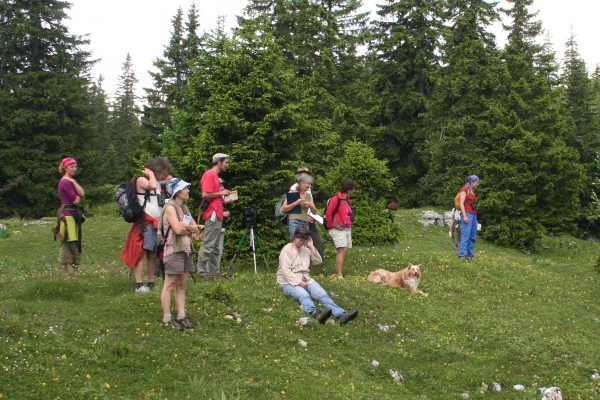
{"x": 407, "y": 104}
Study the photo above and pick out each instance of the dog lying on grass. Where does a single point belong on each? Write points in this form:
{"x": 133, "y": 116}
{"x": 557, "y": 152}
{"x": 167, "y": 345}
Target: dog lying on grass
{"x": 407, "y": 279}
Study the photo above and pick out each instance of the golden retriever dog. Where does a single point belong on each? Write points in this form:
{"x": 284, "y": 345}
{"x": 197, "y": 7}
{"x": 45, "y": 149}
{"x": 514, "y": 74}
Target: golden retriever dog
{"x": 407, "y": 279}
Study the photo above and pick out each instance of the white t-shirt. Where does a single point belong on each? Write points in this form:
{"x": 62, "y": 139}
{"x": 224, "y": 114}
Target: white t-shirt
{"x": 152, "y": 208}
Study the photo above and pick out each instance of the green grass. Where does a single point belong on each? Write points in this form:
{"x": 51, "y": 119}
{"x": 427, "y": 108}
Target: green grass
{"x": 505, "y": 317}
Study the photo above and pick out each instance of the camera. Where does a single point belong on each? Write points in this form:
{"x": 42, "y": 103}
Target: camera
{"x": 252, "y": 215}
{"x": 474, "y": 205}
{"x": 161, "y": 197}
{"x": 226, "y": 222}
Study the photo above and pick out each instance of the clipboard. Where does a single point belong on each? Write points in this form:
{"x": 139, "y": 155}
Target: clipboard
{"x": 292, "y": 197}
{"x": 316, "y": 217}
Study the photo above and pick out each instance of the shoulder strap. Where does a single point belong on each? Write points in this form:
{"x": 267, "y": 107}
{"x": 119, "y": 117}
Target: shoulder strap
{"x": 160, "y": 223}
{"x": 337, "y": 206}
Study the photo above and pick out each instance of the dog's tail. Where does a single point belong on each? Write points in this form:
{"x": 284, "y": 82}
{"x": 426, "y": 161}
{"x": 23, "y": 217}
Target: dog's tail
{"x": 375, "y": 277}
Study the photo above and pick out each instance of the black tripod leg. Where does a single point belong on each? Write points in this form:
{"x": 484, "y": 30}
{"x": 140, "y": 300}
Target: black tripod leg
{"x": 237, "y": 250}
{"x": 262, "y": 251}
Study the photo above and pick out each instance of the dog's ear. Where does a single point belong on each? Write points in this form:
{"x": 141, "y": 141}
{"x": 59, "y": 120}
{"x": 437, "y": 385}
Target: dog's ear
{"x": 410, "y": 265}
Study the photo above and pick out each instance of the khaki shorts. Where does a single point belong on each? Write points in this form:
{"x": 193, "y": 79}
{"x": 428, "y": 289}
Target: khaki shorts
{"x": 178, "y": 263}
{"x": 69, "y": 254}
{"x": 341, "y": 238}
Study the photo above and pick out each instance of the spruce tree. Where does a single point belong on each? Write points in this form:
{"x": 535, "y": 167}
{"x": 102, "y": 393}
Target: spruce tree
{"x": 169, "y": 93}
{"x": 95, "y": 163}
{"x": 43, "y": 94}
{"x": 405, "y": 47}
{"x": 124, "y": 120}
{"x": 527, "y": 158}
{"x": 578, "y": 105}
{"x": 320, "y": 41}
{"x": 466, "y": 100}
{"x": 245, "y": 101}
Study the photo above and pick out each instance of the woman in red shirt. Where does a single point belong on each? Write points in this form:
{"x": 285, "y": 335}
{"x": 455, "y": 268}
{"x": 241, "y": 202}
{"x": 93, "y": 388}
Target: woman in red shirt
{"x": 468, "y": 209}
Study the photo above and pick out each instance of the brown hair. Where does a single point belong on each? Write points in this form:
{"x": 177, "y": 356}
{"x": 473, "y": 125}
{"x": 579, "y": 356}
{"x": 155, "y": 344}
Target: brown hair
{"x": 158, "y": 164}
{"x": 348, "y": 184}
{"x": 393, "y": 206}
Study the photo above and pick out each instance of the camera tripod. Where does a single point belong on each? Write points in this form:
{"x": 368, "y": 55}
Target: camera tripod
{"x": 250, "y": 229}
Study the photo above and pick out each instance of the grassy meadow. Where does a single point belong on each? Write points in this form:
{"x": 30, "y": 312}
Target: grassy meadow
{"x": 505, "y": 317}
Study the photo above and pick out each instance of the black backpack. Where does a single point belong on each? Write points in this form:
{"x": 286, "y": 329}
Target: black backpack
{"x": 129, "y": 206}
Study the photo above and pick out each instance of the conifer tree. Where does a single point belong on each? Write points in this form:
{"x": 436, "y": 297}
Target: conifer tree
{"x": 320, "y": 41}
{"x": 527, "y": 158}
{"x": 246, "y": 101}
{"x": 405, "y": 47}
{"x": 43, "y": 94}
{"x": 124, "y": 120}
{"x": 466, "y": 102}
{"x": 578, "y": 105}
{"x": 170, "y": 81}
{"x": 96, "y": 163}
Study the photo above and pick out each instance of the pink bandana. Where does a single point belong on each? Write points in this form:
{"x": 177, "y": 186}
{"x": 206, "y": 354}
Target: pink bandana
{"x": 68, "y": 161}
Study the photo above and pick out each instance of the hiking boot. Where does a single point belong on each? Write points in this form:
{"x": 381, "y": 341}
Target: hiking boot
{"x": 321, "y": 316}
{"x": 222, "y": 275}
{"x": 206, "y": 278}
{"x": 186, "y": 323}
{"x": 142, "y": 289}
{"x": 347, "y": 316}
{"x": 176, "y": 324}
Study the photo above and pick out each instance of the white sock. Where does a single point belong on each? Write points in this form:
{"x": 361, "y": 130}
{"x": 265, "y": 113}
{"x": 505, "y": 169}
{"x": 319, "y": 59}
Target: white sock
{"x": 167, "y": 318}
{"x": 180, "y": 316}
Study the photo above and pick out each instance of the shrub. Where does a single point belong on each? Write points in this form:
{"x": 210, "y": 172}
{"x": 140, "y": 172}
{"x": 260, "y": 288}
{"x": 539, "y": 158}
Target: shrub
{"x": 371, "y": 225}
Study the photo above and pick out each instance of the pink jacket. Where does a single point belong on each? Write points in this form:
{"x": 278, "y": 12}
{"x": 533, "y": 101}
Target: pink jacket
{"x": 341, "y": 219}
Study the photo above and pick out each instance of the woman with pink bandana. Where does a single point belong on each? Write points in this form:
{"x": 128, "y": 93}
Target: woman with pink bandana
{"x": 70, "y": 216}
{"x": 468, "y": 210}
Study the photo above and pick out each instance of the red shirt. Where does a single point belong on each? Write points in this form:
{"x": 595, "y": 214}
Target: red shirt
{"x": 210, "y": 184}
{"x": 470, "y": 199}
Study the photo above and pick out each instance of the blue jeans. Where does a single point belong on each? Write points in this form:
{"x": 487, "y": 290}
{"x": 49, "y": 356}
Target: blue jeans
{"x": 469, "y": 236}
{"x": 315, "y": 291}
{"x": 293, "y": 224}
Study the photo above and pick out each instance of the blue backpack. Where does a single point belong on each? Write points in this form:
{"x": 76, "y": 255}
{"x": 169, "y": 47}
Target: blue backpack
{"x": 283, "y": 217}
